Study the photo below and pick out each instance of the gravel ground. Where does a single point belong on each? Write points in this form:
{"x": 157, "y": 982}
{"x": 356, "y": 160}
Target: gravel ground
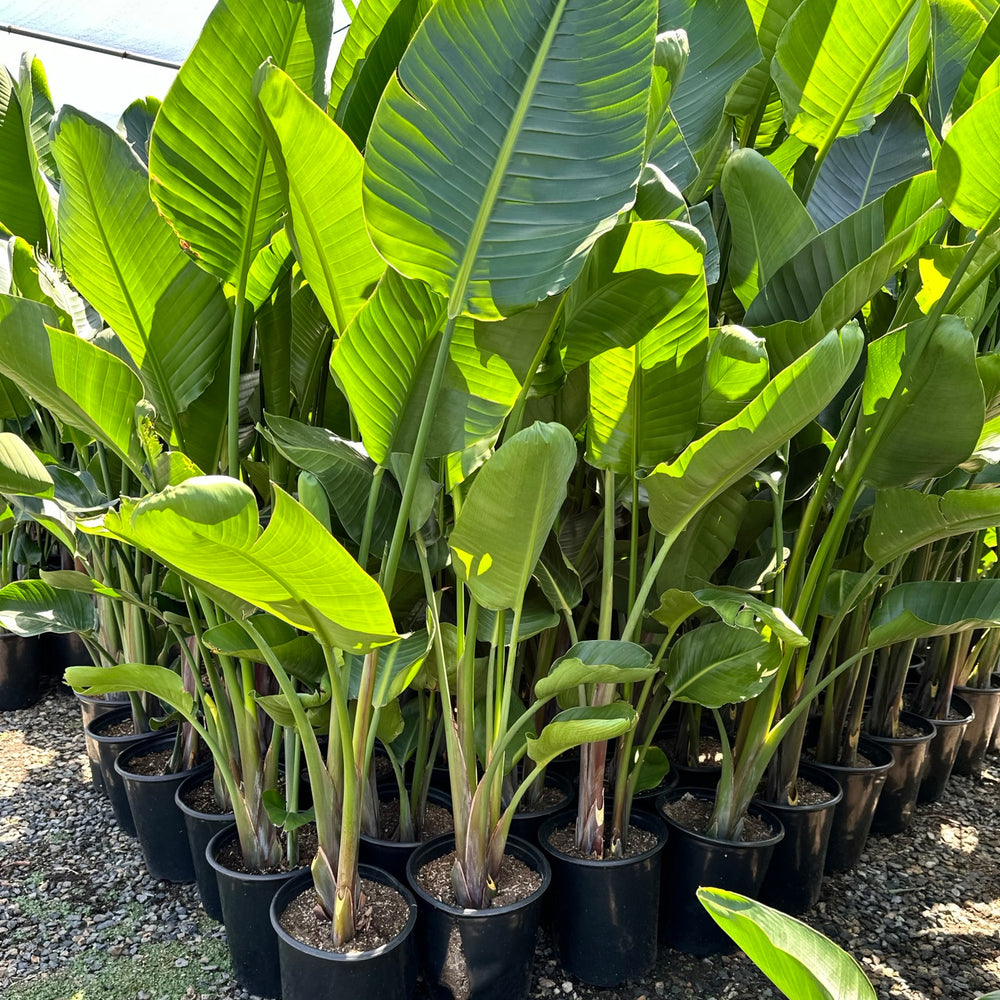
{"x": 81, "y": 920}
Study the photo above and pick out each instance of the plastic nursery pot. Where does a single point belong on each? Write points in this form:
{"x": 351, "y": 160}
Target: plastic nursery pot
{"x": 477, "y": 954}
{"x": 158, "y": 822}
{"x": 899, "y": 794}
{"x": 852, "y": 819}
{"x": 985, "y": 703}
{"x": 90, "y": 709}
{"x": 201, "y": 827}
{"x": 391, "y": 855}
{"x": 105, "y": 747}
{"x": 694, "y": 859}
{"x": 246, "y": 911}
{"x": 386, "y": 973}
{"x": 943, "y": 749}
{"x": 646, "y": 799}
{"x": 605, "y": 926}
{"x": 20, "y": 671}
{"x": 526, "y": 824}
{"x": 794, "y": 877}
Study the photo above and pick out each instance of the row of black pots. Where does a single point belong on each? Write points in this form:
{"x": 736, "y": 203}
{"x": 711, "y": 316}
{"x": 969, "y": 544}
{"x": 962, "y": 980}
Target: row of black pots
{"x": 29, "y": 664}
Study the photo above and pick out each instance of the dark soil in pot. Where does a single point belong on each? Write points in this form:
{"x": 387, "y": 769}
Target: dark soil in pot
{"x": 478, "y": 954}
{"x": 942, "y": 750}
{"x": 605, "y": 926}
{"x": 692, "y": 859}
{"x": 203, "y": 819}
{"x": 703, "y": 772}
{"x": 985, "y": 703}
{"x": 557, "y": 795}
{"x": 899, "y": 794}
{"x": 22, "y": 678}
{"x": 381, "y": 963}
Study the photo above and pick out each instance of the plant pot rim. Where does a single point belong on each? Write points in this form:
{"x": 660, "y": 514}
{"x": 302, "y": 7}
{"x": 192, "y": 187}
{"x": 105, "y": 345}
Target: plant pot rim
{"x": 855, "y": 768}
{"x": 917, "y": 722}
{"x": 644, "y": 820}
{"x": 958, "y": 704}
{"x": 553, "y": 780}
{"x": 817, "y": 776}
{"x": 294, "y": 887}
{"x": 433, "y": 849}
{"x": 994, "y": 688}
{"x": 707, "y": 793}
{"x": 198, "y": 813}
{"x": 93, "y": 699}
{"x": 137, "y": 749}
{"x": 432, "y": 792}
{"x": 222, "y": 837}
{"x": 120, "y": 711}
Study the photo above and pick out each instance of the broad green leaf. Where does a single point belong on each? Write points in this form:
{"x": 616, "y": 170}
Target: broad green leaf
{"x": 504, "y": 228}
{"x": 299, "y": 654}
{"x": 720, "y": 458}
{"x": 558, "y": 578}
{"x": 839, "y": 63}
{"x": 158, "y": 681}
{"x": 939, "y": 426}
{"x": 208, "y": 165}
{"x": 841, "y": 584}
{"x": 596, "y": 661}
{"x": 956, "y": 28}
{"x": 31, "y": 607}
{"x": 136, "y": 125}
{"x": 536, "y": 617}
{"x": 769, "y": 223}
{"x": 716, "y": 665}
{"x": 985, "y": 54}
{"x": 862, "y": 168}
{"x": 575, "y": 726}
{"x": 736, "y": 370}
{"x": 969, "y": 185}
{"x": 21, "y": 471}
{"x": 800, "y": 961}
{"x": 19, "y": 209}
{"x": 79, "y": 383}
{"x": 171, "y": 316}
{"x": 933, "y": 607}
{"x": 68, "y": 579}
{"x": 207, "y": 528}
{"x": 314, "y": 703}
{"x": 904, "y": 520}
{"x": 398, "y": 666}
{"x": 320, "y": 173}
{"x": 509, "y": 512}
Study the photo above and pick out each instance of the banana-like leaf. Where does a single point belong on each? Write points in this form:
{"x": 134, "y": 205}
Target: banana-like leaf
{"x": 31, "y": 607}
{"x": 933, "y": 607}
{"x": 508, "y": 513}
{"x": 158, "y": 681}
{"x": 314, "y": 703}
{"x": 939, "y": 426}
{"x": 841, "y": 584}
{"x": 575, "y": 726}
{"x": 800, "y": 961}
{"x": 831, "y": 89}
{"x": 136, "y": 125}
{"x": 719, "y": 459}
{"x": 904, "y": 520}
{"x": 207, "y": 528}
{"x": 501, "y": 229}
{"x": 558, "y": 578}
{"x": 19, "y": 209}
{"x": 171, "y": 316}
{"x": 596, "y": 661}
{"x": 300, "y": 655}
{"x": 956, "y": 28}
{"x": 970, "y": 188}
{"x": 81, "y": 384}
{"x": 769, "y": 222}
{"x": 21, "y": 471}
{"x": 536, "y": 617}
{"x": 985, "y": 54}
{"x": 716, "y": 664}
{"x": 320, "y": 173}
{"x": 735, "y": 371}
{"x": 862, "y": 168}
{"x": 398, "y": 666}
{"x": 209, "y": 170}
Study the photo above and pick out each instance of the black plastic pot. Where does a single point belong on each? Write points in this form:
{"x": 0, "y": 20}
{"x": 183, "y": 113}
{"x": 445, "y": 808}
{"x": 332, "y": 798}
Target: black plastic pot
{"x": 566, "y": 764}
{"x": 605, "y": 924}
{"x": 20, "y": 671}
{"x": 647, "y": 799}
{"x": 307, "y": 973}
{"x": 527, "y": 824}
{"x": 105, "y": 749}
{"x": 158, "y": 822}
{"x": 477, "y": 954}
{"x": 943, "y": 749}
{"x": 391, "y": 855}
{"x": 694, "y": 859}
{"x": 899, "y": 794}
{"x": 246, "y": 910}
{"x": 852, "y": 819}
{"x": 985, "y": 703}
{"x": 201, "y": 827}
{"x": 91, "y": 709}
{"x": 794, "y": 877}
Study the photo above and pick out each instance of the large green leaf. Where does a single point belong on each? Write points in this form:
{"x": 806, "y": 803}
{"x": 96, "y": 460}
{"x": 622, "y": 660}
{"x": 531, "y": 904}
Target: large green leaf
{"x": 716, "y": 665}
{"x": 839, "y": 63}
{"x": 118, "y": 251}
{"x": 736, "y": 370}
{"x": 574, "y": 726}
{"x": 79, "y": 383}
{"x": 299, "y": 654}
{"x": 207, "y": 528}
{"x": 969, "y": 183}
{"x": 158, "y": 681}
{"x": 320, "y": 172}
{"x": 508, "y": 514}
{"x": 800, "y": 961}
{"x": 30, "y": 607}
{"x": 904, "y": 520}
{"x": 985, "y": 54}
{"x": 956, "y": 28}
{"x": 556, "y": 146}
{"x": 21, "y": 471}
{"x": 933, "y": 607}
{"x": 768, "y": 221}
{"x": 19, "y": 208}
{"x": 596, "y": 661}
{"x": 728, "y": 452}
{"x": 208, "y": 165}
{"x": 939, "y": 425}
